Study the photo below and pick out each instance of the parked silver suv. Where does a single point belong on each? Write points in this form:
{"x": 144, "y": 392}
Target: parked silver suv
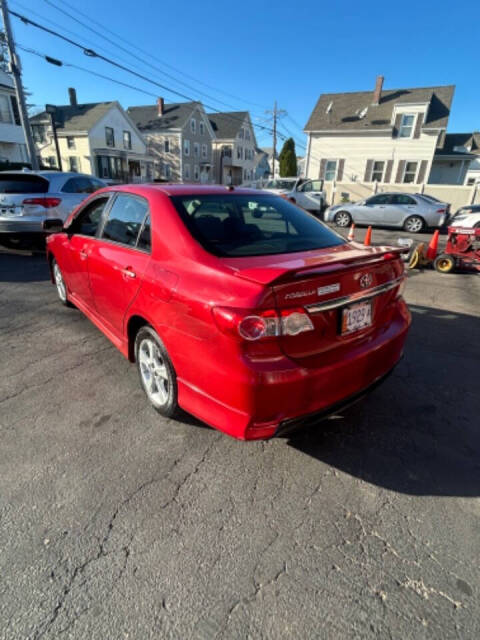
{"x": 27, "y": 198}
{"x": 412, "y": 212}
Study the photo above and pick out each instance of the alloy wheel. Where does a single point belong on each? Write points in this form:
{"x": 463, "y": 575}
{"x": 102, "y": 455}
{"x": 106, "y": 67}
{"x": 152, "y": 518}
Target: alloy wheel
{"x": 59, "y": 283}
{"x": 414, "y": 224}
{"x": 342, "y": 219}
{"x": 154, "y": 373}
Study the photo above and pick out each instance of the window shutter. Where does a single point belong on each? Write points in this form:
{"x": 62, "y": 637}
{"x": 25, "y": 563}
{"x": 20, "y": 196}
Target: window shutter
{"x": 388, "y": 171}
{"x": 396, "y": 126}
{"x": 422, "y": 171}
{"x": 400, "y": 170}
{"x": 368, "y": 171}
{"x": 418, "y": 125}
{"x": 341, "y": 165}
{"x": 321, "y": 174}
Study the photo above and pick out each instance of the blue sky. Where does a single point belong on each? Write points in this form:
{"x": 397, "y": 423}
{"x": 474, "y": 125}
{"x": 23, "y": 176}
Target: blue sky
{"x": 256, "y": 52}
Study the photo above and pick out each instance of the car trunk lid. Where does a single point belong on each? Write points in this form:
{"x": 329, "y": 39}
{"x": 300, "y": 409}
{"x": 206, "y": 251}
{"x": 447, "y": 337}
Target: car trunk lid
{"x": 15, "y": 188}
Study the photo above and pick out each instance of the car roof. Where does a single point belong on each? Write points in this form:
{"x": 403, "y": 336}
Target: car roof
{"x": 49, "y": 173}
{"x": 176, "y": 189}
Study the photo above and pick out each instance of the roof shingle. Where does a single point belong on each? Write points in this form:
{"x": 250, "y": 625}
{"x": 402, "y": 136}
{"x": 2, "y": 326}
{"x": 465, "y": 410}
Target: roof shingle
{"x": 226, "y": 125}
{"x": 80, "y": 117}
{"x": 175, "y": 115}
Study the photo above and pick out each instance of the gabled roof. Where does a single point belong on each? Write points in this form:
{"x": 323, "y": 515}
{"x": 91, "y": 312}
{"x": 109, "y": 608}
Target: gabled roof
{"x": 466, "y": 140}
{"x": 226, "y": 125}
{"x": 175, "y": 116}
{"x": 347, "y": 107}
{"x": 81, "y": 117}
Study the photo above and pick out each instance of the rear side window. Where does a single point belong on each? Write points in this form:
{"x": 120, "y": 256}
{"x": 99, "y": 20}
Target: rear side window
{"x": 403, "y": 199}
{"x": 78, "y": 185}
{"x": 238, "y": 225}
{"x": 86, "y": 223}
{"x": 22, "y": 183}
{"x": 125, "y": 219}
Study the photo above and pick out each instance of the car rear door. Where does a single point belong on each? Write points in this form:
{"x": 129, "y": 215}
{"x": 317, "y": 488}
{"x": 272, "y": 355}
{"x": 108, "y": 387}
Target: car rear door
{"x": 402, "y": 205}
{"x": 119, "y": 258}
{"x": 373, "y": 211}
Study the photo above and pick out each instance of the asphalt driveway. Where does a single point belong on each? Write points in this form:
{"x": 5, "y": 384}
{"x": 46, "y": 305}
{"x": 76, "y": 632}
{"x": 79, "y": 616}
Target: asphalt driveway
{"x": 116, "y": 523}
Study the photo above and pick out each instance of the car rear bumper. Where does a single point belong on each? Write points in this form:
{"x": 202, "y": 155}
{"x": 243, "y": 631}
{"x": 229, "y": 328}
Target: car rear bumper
{"x": 22, "y": 224}
{"x": 289, "y": 392}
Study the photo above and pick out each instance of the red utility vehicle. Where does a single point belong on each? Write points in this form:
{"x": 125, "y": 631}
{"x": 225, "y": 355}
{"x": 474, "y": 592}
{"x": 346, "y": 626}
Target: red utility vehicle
{"x": 462, "y": 250}
{"x": 236, "y": 305}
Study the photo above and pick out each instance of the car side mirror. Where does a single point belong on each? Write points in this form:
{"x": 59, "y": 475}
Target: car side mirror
{"x": 53, "y": 225}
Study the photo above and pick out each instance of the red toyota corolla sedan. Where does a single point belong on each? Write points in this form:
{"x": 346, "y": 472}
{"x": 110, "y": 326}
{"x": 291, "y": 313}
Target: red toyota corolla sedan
{"x": 236, "y": 305}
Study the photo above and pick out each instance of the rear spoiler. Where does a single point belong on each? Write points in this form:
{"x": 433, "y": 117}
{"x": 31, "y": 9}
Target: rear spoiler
{"x": 326, "y": 264}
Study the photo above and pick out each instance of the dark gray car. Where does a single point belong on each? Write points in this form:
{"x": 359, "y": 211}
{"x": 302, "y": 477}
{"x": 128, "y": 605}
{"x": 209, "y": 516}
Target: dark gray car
{"x": 412, "y": 212}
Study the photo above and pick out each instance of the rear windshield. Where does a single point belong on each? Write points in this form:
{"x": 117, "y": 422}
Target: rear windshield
{"x": 237, "y": 225}
{"x": 280, "y": 184}
{"x": 22, "y": 184}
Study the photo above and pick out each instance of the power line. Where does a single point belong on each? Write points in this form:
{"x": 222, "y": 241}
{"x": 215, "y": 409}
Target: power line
{"x": 93, "y": 54}
{"x": 102, "y": 34}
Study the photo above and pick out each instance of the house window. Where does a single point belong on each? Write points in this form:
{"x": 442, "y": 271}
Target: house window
{"x": 5, "y": 113}
{"x": 330, "y": 170}
{"x": 186, "y": 172}
{"x": 166, "y": 146}
{"x": 410, "y": 172}
{"x": 196, "y": 149}
{"x": 127, "y": 140}
{"x": 168, "y": 171}
{"x": 109, "y": 167}
{"x": 38, "y": 131}
{"x": 186, "y": 147}
{"x": 241, "y": 133}
{"x": 51, "y": 161}
{"x": 73, "y": 162}
{"x": 109, "y": 137}
{"x": 196, "y": 172}
{"x": 377, "y": 172}
{"x": 201, "y": 128}
{"x": 470, "y": 182}
{"x": 70, "y": 142}
{"x": 204, "y": 150}
{"x": 247, "y": 134}
{"x": 193, "y": 125}
{"x": 406, "y": 126}
{"x": 239, "y": 153}
{"x": 244, "y": 174}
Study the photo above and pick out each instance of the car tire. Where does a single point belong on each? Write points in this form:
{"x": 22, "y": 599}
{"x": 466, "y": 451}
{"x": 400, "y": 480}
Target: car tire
{"x": 343, "y": 219}
{"x": 477, "y": 225}
{"x": 60, "y": 284}
{"x": 414, "y": 224}
{"x": 157, "y": 375}
{"x": 444, "y": 263}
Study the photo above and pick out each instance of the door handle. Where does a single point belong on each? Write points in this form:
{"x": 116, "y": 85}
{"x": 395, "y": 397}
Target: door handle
{"x": 83, "y": 255}
{"x": 128, "y": 272}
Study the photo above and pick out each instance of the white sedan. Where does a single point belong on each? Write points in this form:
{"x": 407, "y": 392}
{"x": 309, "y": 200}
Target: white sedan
{"x": 468, "y": 216}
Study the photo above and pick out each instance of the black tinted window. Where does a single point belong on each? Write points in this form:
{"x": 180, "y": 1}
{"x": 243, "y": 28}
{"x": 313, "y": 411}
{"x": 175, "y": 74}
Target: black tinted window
{"x": 88, "y": 220}
{"x": 380, "y": 199}
{"x": 78, "y": 185}
{"x": 125, "y": 219}
{"x": 144, "y": 239}
{"x": 237, "y": 225}
{"x": 22, "y": 183}
{"x": 403, "y": 199}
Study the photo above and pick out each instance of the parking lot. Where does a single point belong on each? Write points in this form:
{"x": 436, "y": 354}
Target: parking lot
{"x": 117, "y": 523}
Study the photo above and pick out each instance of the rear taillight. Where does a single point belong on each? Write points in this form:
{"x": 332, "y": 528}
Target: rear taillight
{"x": 48, "y": 203}
{"x": 441, "y": 210}
{"x": 261, "y": 324}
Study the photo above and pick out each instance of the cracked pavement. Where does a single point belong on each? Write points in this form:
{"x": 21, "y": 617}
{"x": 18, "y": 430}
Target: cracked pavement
{"x": 116, "y": 523}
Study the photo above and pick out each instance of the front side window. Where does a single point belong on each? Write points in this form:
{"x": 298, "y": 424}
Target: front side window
{"x": 127, "y": 140}
{"x": 193, "y": 125}
{"x": 382, "y": 198}
{"x": 406, "y": 126}
{"x": 88, "y": 220}
{"x": 73, "y": 162}
{"x": 330, "y": 170}
{"x": 377, "y": 172}
{"x": 109, "y": 137}
{"x": 410, "y": 172}
{"x": 125, "y": 219}
{"x": 237, "y": 225}
{"x": 186, "y": 147}
{"x": 70, "y": 142}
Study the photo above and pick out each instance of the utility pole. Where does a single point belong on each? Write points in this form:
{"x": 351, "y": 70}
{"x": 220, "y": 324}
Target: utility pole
{"x": 15, "y": 69}
{"x": 276, "y": 113}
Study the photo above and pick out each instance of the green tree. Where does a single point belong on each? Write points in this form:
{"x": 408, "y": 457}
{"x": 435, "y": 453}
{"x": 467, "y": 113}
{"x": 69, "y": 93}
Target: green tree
{"x": 288, "y": 159}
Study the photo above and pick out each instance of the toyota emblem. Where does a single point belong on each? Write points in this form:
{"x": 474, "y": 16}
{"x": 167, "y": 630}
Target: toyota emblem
{"x": 366, "y": 280}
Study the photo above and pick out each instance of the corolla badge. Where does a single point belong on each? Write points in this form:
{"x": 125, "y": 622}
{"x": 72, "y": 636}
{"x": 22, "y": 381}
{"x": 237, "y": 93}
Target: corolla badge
{"x": 366, "y": 280}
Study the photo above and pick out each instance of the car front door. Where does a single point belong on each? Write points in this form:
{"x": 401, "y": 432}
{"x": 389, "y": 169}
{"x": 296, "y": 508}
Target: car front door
{"x": 78, "y": 243}
{"x": 402, "y": 206}
{"x": 372, "y": 211}
{"x": 309, "y": 195}
{"x": 119, "y": 258}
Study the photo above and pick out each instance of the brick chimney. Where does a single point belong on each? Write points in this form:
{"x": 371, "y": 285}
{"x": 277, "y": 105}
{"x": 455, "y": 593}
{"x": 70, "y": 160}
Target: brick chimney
{"x": 377, "y": 94}
{"x": 72, "y": 94}
{"x": 160, "y": 106}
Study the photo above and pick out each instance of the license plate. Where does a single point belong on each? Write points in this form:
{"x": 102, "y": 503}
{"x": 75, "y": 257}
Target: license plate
{"x": 356, "y": 317}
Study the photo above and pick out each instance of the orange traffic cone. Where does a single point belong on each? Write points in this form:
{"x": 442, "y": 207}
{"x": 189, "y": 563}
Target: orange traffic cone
{"x": 368, "y": 237}
{"x": 350, "y": 233}
{"x": 433, "y": 246}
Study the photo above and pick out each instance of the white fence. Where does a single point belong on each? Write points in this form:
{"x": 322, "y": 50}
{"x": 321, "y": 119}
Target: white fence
{"x": 456, "y": 195}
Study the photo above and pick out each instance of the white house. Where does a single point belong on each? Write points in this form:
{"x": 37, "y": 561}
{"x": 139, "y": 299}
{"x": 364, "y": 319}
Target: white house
{"x": 97, "y": 138}
{"x": 12, "y": 140}
{"x": 385, "y": 136}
